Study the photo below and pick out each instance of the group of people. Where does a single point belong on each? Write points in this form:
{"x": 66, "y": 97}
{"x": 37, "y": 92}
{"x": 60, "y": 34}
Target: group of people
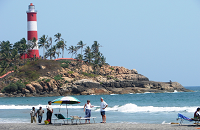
{"x": 87, "y": 110}
{"x": 88, "y": 106}
{"x": 39, "y": 113}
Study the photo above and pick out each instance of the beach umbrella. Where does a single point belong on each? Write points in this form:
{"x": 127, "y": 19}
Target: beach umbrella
{"x": 66, "y": 100}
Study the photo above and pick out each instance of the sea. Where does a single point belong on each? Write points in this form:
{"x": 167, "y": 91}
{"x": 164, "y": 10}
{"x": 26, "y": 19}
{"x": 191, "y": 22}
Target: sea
{"x": 153, "y": 108}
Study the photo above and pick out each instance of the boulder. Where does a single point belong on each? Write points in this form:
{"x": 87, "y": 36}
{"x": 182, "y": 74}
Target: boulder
{"x": 37, "y": 86}
{"x": 52, "y": 85}
{"x": 68, "y": 79}
{"x": 30, "y": 87}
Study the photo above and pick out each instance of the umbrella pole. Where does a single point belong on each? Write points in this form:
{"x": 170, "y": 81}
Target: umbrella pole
{"x": 67, "y": 113}
{"x": 60, "y": 107}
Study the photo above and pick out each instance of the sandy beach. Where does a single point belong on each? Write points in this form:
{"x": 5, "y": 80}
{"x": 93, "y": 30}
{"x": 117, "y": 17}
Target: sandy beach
{"x": 96, "y": 126}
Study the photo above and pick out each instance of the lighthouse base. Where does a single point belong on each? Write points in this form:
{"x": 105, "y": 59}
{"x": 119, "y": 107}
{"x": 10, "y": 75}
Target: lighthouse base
{"x": 31, "y": 54}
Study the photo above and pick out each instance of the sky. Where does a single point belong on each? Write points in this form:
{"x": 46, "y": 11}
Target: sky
{"x": 158, "y": 38}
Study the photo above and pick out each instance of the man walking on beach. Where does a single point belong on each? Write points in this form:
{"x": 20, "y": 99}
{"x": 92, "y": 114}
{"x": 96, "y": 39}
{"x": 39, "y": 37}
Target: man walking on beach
{"x": 40, "y": 114}
{"x": 33, "y": 115}
{"x": 102, "y": 110}
{"x": 49, "y": 112}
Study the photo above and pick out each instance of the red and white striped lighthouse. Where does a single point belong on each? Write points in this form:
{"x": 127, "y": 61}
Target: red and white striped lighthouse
{"x": 32, "y": 30}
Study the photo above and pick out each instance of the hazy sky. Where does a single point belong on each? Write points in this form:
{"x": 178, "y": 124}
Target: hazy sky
{"x": 158, "y": 38}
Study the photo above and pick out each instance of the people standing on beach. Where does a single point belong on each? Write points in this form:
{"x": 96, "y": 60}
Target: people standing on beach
{"x": 33, "y": 115}
{"x": 49, "y": 112}
{"x": 197, "y": 114}
{"x": 40, "y": 112}
{"x": 102, "y": 110}
{"x": 87, "y": 110}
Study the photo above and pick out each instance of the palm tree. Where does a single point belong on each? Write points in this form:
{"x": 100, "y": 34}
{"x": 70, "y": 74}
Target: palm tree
{"x": 71, "y": 49}
{"x": 61, "y": 44}
{"x": 88, "y": 56}
{"x": 79, "y": 57}
{"x": 95, "y": 47}
{"x": 5, "y": 53}
{"x": 96, "y": 53}
{"x": 58, "y": 45}
{"x": 42, "y": 43}
{"x": 5, "y": 49}
{"x": 18, "y": 45}
{"x": 87, "y": 50}
{"x": 52, "y": 52}
{"x": 33, "y": 45}
{"x": 75, "y": 50}
{"x": 15, "y": 57}
{"x": 21, "y": 47}
{"x": 57, "y": 36}
{"x": 81, "y": 45}
{"x": 50, "y": 43}
{"x": 97, "y": 61}
{"x": 103, "y": 60}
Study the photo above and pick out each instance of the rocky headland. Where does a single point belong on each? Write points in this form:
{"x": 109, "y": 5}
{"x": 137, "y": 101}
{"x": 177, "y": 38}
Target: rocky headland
{"x": 78, "y": 78}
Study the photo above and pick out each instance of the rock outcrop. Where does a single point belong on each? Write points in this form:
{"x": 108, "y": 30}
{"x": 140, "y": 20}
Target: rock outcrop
{"x": 104, "y": 80}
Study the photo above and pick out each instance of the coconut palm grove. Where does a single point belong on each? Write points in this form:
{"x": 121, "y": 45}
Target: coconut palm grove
{"x": 11, "y": 55}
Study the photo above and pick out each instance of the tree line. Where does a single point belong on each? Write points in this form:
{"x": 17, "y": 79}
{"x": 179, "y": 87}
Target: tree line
{"x": 10, "y": 54}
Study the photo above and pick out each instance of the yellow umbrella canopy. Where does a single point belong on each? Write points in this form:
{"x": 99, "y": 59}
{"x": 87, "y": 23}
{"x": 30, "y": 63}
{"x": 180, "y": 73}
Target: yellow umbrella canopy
{"x": 66, "y": 100}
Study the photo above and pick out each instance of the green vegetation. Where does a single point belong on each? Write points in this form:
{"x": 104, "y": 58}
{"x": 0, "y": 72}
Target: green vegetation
{"x": 10, "y": 53}
{"x": 48, "y": 80}
{"x": 12, "y": 58}
{"x": 70, "y": 72}
{"x": 58, "y": 77}
{"x": 64, "y": 63}
{"x": 89, "y": 74}
{"x": 13, "y": 87}
{"x": 111, "y": 68}
{"x": 110, "y": 77}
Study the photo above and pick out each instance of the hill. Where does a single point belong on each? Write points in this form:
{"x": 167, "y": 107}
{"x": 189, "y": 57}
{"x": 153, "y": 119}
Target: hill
{"x": 74, "y": 77}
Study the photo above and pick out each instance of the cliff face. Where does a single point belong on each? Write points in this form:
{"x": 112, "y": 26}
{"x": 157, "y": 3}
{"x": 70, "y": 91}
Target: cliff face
{"x": 77, "y": 80}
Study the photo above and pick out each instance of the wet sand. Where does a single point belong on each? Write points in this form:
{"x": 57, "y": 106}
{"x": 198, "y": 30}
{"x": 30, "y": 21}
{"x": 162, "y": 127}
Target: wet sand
{"x": 96, "y": 126}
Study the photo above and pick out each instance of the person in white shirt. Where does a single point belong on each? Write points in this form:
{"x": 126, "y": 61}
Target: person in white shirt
{"x": 33, "y": 115}
{"x": 102, "y": 110}
{"x": 87, "y": 110}
{"x": 49, "y": 112}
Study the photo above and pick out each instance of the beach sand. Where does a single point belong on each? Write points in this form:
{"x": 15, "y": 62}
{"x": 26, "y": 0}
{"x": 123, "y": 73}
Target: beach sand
{"x": 96, "y": 126}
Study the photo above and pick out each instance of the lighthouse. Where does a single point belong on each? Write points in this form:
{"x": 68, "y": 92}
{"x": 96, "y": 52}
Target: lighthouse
{"x": 32, "y": 32}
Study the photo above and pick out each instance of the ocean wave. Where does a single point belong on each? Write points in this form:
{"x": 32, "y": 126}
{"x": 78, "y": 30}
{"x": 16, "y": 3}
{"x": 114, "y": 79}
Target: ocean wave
{"x": 114, "y": 94}
{"x": 128, "y": 108}
{"x": 132, "y": 108}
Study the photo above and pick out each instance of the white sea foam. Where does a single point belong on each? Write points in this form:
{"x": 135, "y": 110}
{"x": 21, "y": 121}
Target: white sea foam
{"x": 114, "y": 94}
{"x": 128, "y": 108}
{"x": 132, "y": 108}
